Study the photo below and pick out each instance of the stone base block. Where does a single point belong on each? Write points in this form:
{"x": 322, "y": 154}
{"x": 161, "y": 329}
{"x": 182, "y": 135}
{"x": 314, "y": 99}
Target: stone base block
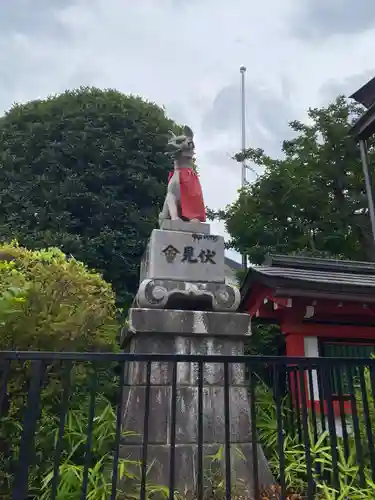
{"x": 187, "y": 417}
{"x": 184, "y": 226}
{"x": 176, "y": 386}
{"x": 184, "y": 256}
{"x": 193, "y": 324}
{"x": 186, "y": 460}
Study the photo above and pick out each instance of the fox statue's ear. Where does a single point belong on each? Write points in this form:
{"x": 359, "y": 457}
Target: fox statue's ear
{"x": 188, "y": 132}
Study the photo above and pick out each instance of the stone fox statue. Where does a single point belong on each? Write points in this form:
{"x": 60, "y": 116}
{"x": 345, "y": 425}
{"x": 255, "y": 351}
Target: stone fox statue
{"x": 184, "y": 199}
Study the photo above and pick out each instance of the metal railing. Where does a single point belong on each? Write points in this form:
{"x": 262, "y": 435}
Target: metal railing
{"x": 98, "y": 425}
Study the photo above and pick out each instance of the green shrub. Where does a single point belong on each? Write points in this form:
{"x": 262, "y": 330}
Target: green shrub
{"x": 51, "y": 302}
{"x": 296, "y": 474}
{"x": 72, "y": 460}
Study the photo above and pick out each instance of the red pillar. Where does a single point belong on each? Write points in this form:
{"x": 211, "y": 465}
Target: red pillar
{"x": 295, "y": 346}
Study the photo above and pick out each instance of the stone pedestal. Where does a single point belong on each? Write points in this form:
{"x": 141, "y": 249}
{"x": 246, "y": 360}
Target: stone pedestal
{"x": 183, "y": 268}
{"x": 189, "y": 332}
{"x": 185, "y": 307}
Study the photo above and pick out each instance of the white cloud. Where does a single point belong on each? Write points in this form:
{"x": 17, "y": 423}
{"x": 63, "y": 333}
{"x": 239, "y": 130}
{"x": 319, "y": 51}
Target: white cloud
{"x": 184, "y": 55}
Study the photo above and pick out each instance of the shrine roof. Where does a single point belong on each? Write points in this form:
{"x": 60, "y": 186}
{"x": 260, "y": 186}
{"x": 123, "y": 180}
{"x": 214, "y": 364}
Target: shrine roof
{"x": 296, "y": 275}
{"x": 366, "y": 94}
{"x": 365, "y": 126}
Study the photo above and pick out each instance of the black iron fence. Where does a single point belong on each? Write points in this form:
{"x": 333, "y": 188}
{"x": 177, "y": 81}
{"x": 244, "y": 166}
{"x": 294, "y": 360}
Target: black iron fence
{"x": 120, "y": 426}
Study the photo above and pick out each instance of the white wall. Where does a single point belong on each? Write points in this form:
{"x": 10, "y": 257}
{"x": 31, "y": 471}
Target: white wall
{"x": 312, "y": 351}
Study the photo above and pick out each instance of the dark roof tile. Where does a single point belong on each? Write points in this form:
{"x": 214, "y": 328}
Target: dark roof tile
{"x": 366, "y": 94}
{"x": 314, "y": 275}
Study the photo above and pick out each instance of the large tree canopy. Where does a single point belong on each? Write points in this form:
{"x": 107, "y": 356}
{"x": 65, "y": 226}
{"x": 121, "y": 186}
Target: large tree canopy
{"x": 85, "y": 171}
{"x": 311, "y": 200}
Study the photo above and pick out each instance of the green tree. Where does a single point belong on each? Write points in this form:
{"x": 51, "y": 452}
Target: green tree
{"x": 310, "y": 201}
{"x": 85, "y": 171}
{"x": 313, "y": 199}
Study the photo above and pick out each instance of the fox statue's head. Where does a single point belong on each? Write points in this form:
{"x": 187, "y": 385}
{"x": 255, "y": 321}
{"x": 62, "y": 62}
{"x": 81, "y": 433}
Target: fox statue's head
{"x": 182, "y": 145}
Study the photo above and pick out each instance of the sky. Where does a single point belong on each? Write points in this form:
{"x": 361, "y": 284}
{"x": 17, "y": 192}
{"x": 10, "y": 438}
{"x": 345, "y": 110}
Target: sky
{"x": 186, "y": 55}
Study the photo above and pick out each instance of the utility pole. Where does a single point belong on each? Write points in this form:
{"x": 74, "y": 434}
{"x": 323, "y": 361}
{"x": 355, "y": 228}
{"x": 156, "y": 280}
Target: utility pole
{"x": 368, "y": 184}
{"x": 243, "y": 142}
{"x": 243, "y": 120}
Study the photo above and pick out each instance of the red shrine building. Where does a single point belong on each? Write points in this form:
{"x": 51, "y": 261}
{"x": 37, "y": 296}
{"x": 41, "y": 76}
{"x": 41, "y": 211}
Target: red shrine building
{"x": 324, "y": 307}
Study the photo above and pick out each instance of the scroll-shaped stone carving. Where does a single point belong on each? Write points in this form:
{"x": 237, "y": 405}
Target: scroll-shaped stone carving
{"x": 160, "y": 294}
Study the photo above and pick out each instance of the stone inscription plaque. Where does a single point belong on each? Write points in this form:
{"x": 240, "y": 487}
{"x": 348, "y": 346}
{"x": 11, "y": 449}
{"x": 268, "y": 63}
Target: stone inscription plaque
{"x": 185, "y": 256}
